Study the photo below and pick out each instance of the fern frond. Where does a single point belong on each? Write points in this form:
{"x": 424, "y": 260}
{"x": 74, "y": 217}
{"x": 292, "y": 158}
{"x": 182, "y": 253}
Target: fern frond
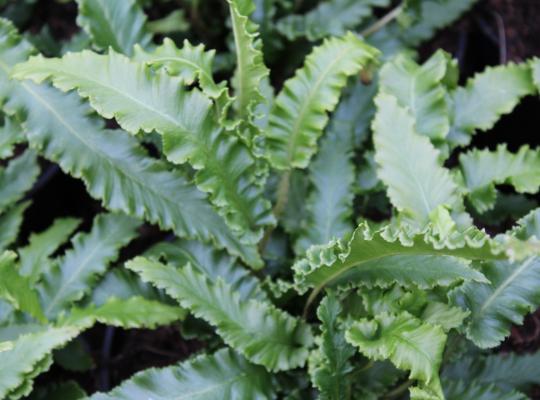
{"x": 116, "y": 24}
{"x": 17, "y": 178}
{"x": 459, "y": 390}
{"x": 299, "y": 114}
{"x": 409, "y": 164}
{"x": 10, "y": 134}
{"x": 33, "y": 257}
{"x": 332, "y": 18}
{"x": 70, "y": 278}
{"x": 420, "y": 89}
{"x": 262, "y": 333}
{"x": 480, "y": 104}
{"x": 407, "y": 342}
{"x": 17, "y": 289}
{"x": 141, "y": 99}
{"x": 224, "y": 375}
{"x": 483, "y": 169}
{"x": 10, "y": 223}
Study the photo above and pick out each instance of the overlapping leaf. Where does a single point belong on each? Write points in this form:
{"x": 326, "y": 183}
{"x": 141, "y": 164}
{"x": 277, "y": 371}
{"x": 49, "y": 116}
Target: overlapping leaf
{"x": 262, "y": 333}
{"x": 17, "y": 178}
{"x": 224, "y": 375}
{"x": 116, "y": 24}
{"x": 299, "y": 113}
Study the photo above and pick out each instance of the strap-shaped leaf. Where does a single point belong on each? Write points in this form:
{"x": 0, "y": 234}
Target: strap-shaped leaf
{"x": 70, "y": 278}
{"x": 250, "y": 68}
{"x": 116, "y": 24}
{"x": 331, "y": 18}
{"x": 16, "y": 289}
{"x": 10, "y": 135}
{"x": 331, "y": 375}
{"x": 329, "y": 206}
{"x": 141, "y": 99}
{"x": 223, "y": 375}
{"x": 33, "y": 257}
{"x": 460, "y": 390}
{"x": 17, "y": 178}
{"x": 113, "y": 166}
{"x": 190, "y": 63}
{"x": 483, "y": 169}
{"x": 29, "y": 356}
{"x": 513, "y": 291}
{"x": 383, "y": 257}
{"x": 420, "y": 89}
{"x": 479, "y": 104}
{"x": 10, "y": 223}
{"x": 299, "y": 114}
{"x": 406, "y": 341}
{"x": 262, "y": 333}
{"x": 135, "y": 312}
{"x": 210, "y": 262}
{"x": 409, "y": 164}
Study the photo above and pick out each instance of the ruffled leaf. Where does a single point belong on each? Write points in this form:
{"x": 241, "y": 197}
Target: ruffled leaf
{"x": 262, "y": 333}
{"x": 299, "y": 114}
{"x": 483, "y": 169}
{"x": 18, "y": 177}
{"x": 224, "y": 375}
{"x": 10, "y": 135}
{"x": 459, "y": 390}
{"x": 116, "y": 24}
{"x": 409, "y": 164}
{"x": 10, "y": 223}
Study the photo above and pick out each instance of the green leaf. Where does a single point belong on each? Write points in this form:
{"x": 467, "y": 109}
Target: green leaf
{"x": 420, "y": 89}
{"x": 113, "y": 166}
{"x": 459, "y": 390}
{"x": 33, "y": 256}
{"x": 66, "y": 391}
{"x": 299, "y": 114}
{"x": 330, "y": 203}
{"x": 29, "y": 356}
{"x": 135, "y": 312}
{"x": 10, "y": 135}
{"x": 223, "y": 375}
{"x": 331, "y": 376}
{"x": 141, "y": 99}
{"x": 483, "y": 169}
{"x": 513, "y": 291}
{"x": 116, "y": 24}
{"x": 250, "y": 69}
{"x": 409, "y": 164}
{"x": 331, "y": 18}
{"x": 190, "y": 63}
{"x": 406, "y": 341}
{"x": 212, "y": 263}
{"x": 262, "y": 333}
{"x": 10, "y": 223}
{"x": 70, "y": 278}
{"x": 383, "y": 257}
{"x": 17, "y": 178}
{"x": 480, "y": 104}
{"x": 175, "y": 21}
{"x": 16, "y": 289}
{"x": 443, "y": 315}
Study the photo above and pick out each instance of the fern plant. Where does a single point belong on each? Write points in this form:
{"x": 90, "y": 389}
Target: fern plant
{"x": 267, "y": 191}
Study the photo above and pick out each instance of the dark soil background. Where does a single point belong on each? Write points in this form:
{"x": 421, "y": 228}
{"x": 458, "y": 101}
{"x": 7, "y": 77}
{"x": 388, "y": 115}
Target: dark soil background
{"x": 494, "y": 32}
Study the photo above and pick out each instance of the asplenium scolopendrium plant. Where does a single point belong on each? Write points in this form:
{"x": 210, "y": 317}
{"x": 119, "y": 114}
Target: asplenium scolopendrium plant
{"x": 264, "y": 193}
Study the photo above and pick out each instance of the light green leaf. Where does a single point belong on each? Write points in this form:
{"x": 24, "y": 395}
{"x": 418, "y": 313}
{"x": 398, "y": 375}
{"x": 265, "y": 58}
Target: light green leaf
{"x": 70, "y": 278}
{"x": 420, "y": 89}
{"x": 10, "y": 135}
{"x": 331, "y": 376}
{"x": 495, "y": 307}
{"x": 262, "y": 333}
{"x": 16, "y": 289}
{"x": 299, "y": 114}
{"x": 479, "y": 104}
{"x": 212, "y": 263}
{"x": 383, "y": 257}
{"x": 30, "y": 356}
{"x": 175, "y": 21}
{"x": 135, "y": 312}
{"x": 223, "y": 375}
{"x": 116, "y": 24}
{"x": 141, "y": 99}
{"x": 331, "y": 18}
{"x": 406, "y": 341}
{"x": 17, "y": 178}
{"x": 483, "y": 169}
{"x": 409, "y": 164}
{"x": 40, "y": 246}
